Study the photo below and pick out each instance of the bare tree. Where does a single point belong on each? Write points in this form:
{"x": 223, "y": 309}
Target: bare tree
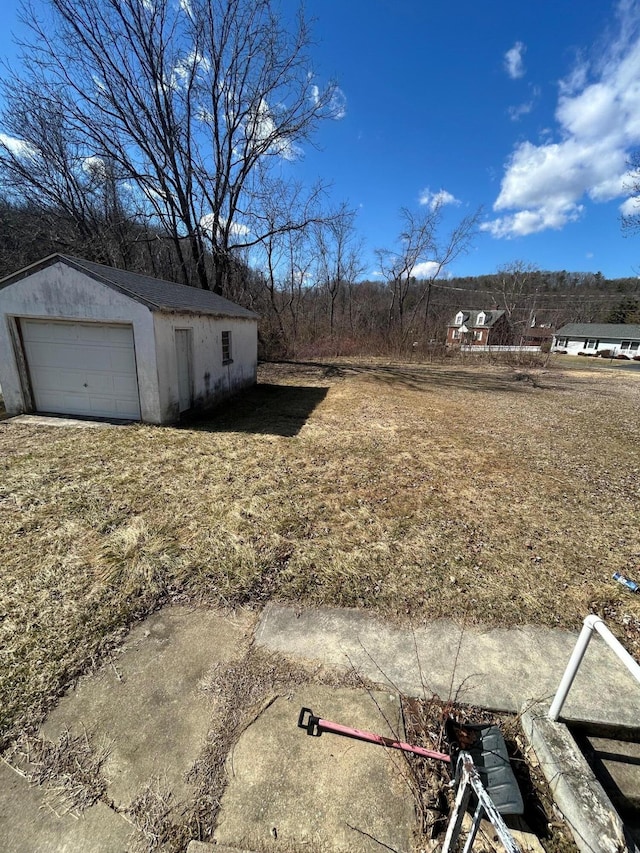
{"x": 195, "y": 103}
{"x": 631, "y": 221}
{"x": 422, "y": 249}
{"x": 516, "y": 293}
{"x": 339, "y": 262}
{"x": 80, "y": 201}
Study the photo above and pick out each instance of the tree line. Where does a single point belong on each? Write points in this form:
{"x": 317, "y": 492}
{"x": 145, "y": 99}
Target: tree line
{"x": 310, "y": 289}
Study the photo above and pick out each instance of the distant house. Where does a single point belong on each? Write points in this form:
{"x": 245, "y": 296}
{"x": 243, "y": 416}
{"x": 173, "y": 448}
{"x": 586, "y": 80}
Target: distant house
{"x": 79, "y": 338}
{"x": 479, "y": 328}
{"x": 537, "y": 334}
{"x": 592, "y": 338}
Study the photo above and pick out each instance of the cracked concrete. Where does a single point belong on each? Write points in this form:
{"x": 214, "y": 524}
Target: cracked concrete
{"x": 286, "y": 789}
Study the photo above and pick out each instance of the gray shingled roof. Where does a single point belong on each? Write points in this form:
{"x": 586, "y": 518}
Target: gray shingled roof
{"x": 623, "y": 331}
{"x": 470, "y": 317}
{"x": 155, "y": 293}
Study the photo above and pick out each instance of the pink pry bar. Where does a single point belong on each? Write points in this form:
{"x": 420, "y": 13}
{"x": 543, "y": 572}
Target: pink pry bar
{"x": 315, "y": 726}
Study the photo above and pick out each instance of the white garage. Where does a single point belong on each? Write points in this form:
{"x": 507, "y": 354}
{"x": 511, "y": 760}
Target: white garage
{"x": 78, "y": 338}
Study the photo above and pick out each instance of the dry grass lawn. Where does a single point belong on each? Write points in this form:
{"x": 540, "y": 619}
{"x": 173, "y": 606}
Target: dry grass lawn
{"x": 418, "y": 491}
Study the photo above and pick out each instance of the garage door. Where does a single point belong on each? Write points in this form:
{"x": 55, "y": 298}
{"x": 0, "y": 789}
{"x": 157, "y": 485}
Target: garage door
{"x": 82, "y": 368}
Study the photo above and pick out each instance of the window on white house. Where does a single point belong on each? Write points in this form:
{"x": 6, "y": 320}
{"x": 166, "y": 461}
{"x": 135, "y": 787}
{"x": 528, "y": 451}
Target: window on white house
{"x": 632, "y": 346}
{"x": 226, "y": 348}
{"x": 591, "y": 344}
{"x": 562, "y": 342}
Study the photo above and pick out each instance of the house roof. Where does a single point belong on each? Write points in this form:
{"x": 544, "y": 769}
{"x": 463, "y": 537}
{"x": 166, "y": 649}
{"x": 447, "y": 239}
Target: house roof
{"x": 623, "y": 331}
{"x": 155, "y": 293}
{"x": 470, "y": 318}
{"x": 537, "y": 332}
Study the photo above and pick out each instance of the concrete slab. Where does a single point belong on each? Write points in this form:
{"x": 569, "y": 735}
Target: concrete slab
{"x": 497, "y": 669}
{"x": 328, "y": 793}
{"x": 621, "y": 761}
{"x": 28, "y": 825}
{"x": 51, "y": 420}
{"x": 148, "y": 702}
{"x": 595, "y": 825}
{"x": 616, "y": 764}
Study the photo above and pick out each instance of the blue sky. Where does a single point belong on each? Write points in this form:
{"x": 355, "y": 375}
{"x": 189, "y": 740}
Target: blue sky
{"x": 530, "y": 110}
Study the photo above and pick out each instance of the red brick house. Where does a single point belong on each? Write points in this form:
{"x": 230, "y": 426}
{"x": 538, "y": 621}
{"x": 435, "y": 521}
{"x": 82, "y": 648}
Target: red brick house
{"x": 479, "y": 328}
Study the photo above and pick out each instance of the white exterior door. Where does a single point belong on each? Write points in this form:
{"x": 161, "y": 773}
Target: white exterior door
{"x": 82, "y": 368}
{"x": 185, "y": 370}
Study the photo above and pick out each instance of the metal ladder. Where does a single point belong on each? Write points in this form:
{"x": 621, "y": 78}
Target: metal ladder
{"x": 470, "y": 782}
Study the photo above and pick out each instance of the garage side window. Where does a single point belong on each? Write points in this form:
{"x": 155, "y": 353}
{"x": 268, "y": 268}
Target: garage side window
{"x": 226, "y": 348}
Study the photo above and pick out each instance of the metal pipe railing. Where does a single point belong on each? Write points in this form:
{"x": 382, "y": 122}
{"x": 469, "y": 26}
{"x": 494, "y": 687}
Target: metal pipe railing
{"x": 591, "y": 624}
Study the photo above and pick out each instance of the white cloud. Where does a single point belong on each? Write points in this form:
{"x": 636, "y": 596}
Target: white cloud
{"x": 237, "y": 229}
{"x": 439, "y": 199}
{"x": 18, "y": 147}
{"x": 532, "y": 221}
{"x": 184, "y": 68}
{"x": 260, "y": 128}
{"x": 516, "y": 113}
{"x": 630, "y": 206}
{"x": 426, "y": 269}
{"x": 523, "y": 109}
{"x": 598, "y": 125}
{"x": 338, "y": 104}
{"x": 95, "y": 167}
{"x": 513, "y": 61}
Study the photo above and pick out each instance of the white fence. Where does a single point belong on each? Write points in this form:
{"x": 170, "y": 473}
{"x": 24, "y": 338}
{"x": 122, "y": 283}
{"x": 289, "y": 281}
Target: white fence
{"x": 471, "y": 348}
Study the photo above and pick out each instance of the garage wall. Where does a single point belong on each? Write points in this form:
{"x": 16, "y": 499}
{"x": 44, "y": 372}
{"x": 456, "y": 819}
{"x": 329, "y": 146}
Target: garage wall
{"x": 60, "y": 292}
{"x": 212, "y": 380}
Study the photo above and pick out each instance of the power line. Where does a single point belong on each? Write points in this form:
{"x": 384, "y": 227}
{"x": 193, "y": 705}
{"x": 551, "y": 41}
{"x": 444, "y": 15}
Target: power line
{"x": 540, "y": 295}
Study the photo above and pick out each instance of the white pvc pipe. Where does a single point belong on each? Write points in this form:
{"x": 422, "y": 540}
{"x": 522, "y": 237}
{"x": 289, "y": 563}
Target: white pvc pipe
{"x": 591, "y": 623}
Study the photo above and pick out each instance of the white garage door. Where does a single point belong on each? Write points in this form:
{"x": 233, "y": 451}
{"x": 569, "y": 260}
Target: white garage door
{"x": 82, "y": 368}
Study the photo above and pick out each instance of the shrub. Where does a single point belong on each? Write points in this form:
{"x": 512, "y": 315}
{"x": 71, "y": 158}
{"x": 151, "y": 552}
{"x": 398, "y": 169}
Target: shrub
{"x": 605, "y": 353}
{"x": 622, "y": 357}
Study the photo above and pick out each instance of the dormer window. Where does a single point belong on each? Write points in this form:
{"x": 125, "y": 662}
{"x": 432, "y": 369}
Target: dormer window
{"x": 459, "y": 319}
{"x": 482, "y": 318}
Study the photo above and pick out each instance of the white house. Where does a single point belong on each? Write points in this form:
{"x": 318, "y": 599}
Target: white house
{"x": 79, "y": 338}
{"x": 593, "y": 338}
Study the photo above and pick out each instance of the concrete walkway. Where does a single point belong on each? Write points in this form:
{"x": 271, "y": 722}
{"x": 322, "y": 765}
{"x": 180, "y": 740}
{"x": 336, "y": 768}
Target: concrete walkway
{"x": 499, "y": 669}
{"x": 152, "y": 705}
